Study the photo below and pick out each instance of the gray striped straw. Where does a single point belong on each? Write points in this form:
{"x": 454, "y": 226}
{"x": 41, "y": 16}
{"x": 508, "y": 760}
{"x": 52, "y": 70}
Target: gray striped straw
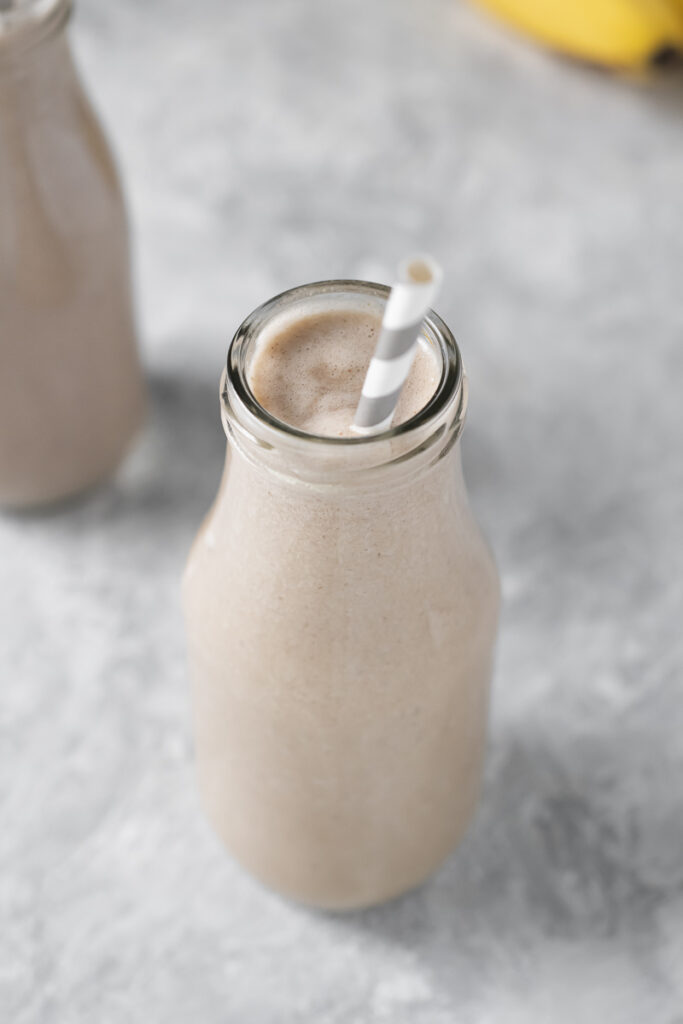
{"x": 419, "y": 279}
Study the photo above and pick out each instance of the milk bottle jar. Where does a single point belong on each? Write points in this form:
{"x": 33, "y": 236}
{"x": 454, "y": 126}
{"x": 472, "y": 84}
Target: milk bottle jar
{"x": 71, "y": 391}
{"x": 341, "y": 608}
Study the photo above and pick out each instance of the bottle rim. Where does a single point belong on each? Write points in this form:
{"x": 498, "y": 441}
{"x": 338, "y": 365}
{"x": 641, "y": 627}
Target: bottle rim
{"x": 236, "y": 392}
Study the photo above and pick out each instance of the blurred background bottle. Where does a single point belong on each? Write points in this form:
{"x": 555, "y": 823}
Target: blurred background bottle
{"x": 71, "y": 387}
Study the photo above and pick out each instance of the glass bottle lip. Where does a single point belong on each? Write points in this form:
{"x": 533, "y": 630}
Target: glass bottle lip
{"x": 236, "y": 383}
{"x": 27, "y": 22}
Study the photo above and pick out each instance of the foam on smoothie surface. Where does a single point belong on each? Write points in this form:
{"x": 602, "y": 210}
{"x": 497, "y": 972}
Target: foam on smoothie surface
{"x": 310, "y": 373}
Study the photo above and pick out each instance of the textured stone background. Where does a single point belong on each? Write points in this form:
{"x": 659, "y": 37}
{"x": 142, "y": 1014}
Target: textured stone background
{"x": 265, "y": 144}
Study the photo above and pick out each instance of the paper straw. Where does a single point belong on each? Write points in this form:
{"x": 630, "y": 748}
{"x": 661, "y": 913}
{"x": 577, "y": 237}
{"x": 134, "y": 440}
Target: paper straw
{"x": 419, "y": 279}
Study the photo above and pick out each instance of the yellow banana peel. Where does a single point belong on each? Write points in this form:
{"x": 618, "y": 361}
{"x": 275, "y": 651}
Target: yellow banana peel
{"x": 617, "y": 33}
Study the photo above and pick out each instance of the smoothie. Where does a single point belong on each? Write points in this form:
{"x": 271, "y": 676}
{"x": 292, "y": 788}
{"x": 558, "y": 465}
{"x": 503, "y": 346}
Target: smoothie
{"x": 309, "y": 373}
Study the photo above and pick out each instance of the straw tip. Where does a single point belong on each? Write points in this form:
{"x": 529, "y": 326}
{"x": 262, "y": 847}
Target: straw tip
{"x": 420, "y": 269}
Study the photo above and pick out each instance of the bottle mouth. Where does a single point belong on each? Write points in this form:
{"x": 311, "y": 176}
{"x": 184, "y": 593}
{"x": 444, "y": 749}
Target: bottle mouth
{"x": 257, "y": 431}
{"x": 25, "y": 22}
{"x": 323, "y": 295}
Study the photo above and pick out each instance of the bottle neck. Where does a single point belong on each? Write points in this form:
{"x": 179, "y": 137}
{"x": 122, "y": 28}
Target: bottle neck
{"x": 397, "y": 455}
{"x": 38, "y": 79}
{"x": 26, "y": 25}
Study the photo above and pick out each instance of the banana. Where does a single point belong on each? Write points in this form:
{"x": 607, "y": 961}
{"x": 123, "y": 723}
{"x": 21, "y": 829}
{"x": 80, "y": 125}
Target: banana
{"x": 629, "y": 34}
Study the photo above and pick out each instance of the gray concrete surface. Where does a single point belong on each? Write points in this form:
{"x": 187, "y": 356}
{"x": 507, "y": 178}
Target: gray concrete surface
{"x": 266, "y": 144}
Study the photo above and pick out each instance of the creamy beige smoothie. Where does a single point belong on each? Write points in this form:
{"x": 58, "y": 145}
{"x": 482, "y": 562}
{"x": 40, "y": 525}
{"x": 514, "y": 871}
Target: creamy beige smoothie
{"x": 310, "y": 372}
{"x": 71, "y": 393}
{"x": 341, "y": 609}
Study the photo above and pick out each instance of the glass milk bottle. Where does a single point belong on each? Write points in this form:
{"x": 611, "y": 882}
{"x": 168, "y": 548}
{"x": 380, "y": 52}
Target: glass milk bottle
{"x": 341, "y": 609}
{"x": 71, "y": 391}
